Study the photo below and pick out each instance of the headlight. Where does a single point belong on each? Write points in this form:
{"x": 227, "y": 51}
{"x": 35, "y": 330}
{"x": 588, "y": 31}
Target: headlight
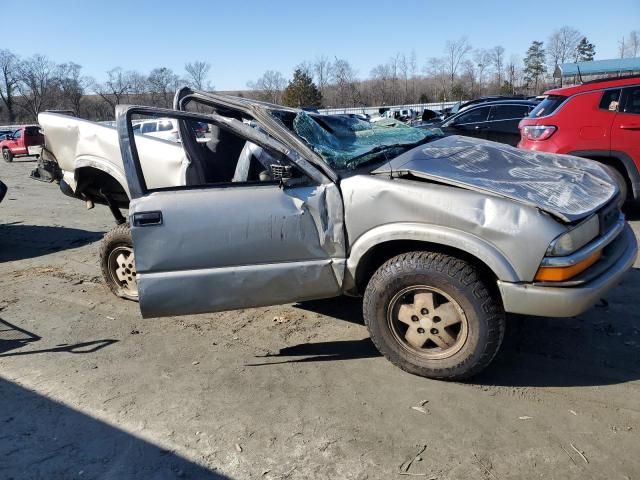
{"x": 574, "y": 239}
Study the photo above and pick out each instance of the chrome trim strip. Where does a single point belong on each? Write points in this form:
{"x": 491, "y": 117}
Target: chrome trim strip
{"x": 588, "y": 250}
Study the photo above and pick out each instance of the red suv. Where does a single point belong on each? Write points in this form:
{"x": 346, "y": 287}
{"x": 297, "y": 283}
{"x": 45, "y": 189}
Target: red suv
{"x": 18, "y": 142}
{"x": 598, "y": 120}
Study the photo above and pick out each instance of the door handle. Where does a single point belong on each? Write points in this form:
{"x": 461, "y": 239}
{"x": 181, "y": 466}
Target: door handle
{"x": 630, "y": 126}
{"x": 147, "y": 219}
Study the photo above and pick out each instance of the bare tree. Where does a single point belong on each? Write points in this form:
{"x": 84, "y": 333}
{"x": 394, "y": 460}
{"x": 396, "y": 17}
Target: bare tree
{"x": 437, "y": 68}
{"x": 38, "y": 84}
{"x": 305, "y": 67}
{"x": 470, "y": 75}
{"x": 197, "y": 75}
{"x": 513, "y": 73}
{"x": 393, "y": 66}
{"x": 622, "y": 47}
{"x": 496, "y": 55}
{"x": 9, "y": 66}
{"x": 563, "y": 46}
{"x": 403, "y": 69}
{"x": 322, "y": 72}
{"x": 346, "y": 83}
{"x": 163, "y": 83}
{"x": 455, "y": 53}
{"x": 633, "y": 44}
{"x": 72, "y": 85}
{"x": 413, "y": 69}
{"x": 381, "y": 84}
{"x": 117, "y": 86}
{"x": 482, "y": 58}
{"x": 270, "y": 86}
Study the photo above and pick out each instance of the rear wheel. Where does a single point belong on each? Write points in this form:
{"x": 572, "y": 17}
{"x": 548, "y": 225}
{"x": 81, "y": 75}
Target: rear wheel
{"x": 117, "y": 261}
{"x": 7, "y": 156}
{"x": 433, "y": 315}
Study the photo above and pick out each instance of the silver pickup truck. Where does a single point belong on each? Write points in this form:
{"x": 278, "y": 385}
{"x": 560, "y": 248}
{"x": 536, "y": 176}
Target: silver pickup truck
{"x": 440, "y": 235}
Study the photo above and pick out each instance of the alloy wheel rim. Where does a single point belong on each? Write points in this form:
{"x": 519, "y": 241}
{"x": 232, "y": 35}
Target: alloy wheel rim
{"x": 428, "y": 322}
{"x": 122, "y": 268}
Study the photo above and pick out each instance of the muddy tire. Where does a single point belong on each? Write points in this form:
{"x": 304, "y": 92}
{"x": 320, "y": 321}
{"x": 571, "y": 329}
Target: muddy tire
{"x": 433, "y": 315}
{"x": 117, "y": 262}
{"x": 7, "y": 156}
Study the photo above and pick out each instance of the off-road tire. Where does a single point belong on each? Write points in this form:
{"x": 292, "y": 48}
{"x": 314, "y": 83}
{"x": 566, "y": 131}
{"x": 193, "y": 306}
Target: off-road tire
{"x": 115, "y": 238}
{"x": 7, "y": 156}
{"x": 463, "y": 283}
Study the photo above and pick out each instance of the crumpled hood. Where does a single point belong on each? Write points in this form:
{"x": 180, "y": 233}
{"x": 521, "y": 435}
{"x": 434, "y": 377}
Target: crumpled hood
{"x": 568, "y": 187}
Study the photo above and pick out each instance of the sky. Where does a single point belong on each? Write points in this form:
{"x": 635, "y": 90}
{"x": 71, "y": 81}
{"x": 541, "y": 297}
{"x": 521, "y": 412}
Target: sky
{"x": 243, "y": 39}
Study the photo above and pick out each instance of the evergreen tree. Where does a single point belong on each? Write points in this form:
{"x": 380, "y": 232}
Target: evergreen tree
{"x": 534, "y": 66}
{"x": 301, "y": 91}
{"x": 585, "y": 51}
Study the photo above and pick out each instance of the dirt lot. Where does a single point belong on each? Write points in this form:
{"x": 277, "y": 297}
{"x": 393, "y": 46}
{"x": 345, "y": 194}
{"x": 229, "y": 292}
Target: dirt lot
{"x": 89, "y": 389}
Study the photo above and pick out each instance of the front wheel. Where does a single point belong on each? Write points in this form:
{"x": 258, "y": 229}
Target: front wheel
{"x": 118, "y": 264}
{"x": 7, "y": 156}
{"x": 433, "y": 315}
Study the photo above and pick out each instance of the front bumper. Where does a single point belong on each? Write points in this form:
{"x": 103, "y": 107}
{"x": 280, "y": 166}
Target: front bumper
{"x": 551, "y": 301}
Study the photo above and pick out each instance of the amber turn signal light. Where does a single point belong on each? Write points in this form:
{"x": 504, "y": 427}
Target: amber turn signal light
{"x": 561, "y": 274}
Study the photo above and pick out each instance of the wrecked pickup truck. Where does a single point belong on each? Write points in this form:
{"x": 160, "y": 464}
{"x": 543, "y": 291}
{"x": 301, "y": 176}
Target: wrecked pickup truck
{"x": 441, "y": 236}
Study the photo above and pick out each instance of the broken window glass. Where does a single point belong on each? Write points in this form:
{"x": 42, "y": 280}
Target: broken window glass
{"x": 346, "y": 141}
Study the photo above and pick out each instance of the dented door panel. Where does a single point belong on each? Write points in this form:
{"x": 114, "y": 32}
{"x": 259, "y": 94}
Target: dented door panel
{"x": 236, "y": 247}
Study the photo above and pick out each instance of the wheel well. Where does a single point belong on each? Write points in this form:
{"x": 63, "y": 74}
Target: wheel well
{"x": 377, "y": 255}
{"x": 615, "y": 163}
{"x": 91, "y": 181}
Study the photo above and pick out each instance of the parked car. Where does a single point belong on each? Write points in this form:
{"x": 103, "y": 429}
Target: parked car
{"x": 496, "y": 121}
{"x": 164, "y": 128}
{"x": 22, "y": 141}
{"x": 460, "y": 106}
{"x": 429, "y": 115}
{"x": 598, "y": 120}
{"x": 3, "y": 190}
{"x": 403, "y": 115}
{"x": 440, "y": 235}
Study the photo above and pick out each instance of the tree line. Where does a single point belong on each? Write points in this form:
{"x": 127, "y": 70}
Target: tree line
{"x": 35, "y": 84}
{"x": 462, "y": 72}
{"x": 31, "y": 85}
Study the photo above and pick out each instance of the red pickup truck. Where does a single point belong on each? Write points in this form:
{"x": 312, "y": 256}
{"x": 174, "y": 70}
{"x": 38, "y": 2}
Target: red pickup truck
{"x": 18, "y": 143}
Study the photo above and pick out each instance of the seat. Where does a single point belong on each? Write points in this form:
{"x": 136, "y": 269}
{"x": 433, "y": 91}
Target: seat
{"x": 214, "y": 161}
{"x": 253, "y": 163}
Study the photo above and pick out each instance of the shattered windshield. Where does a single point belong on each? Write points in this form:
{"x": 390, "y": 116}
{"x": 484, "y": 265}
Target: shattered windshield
{"x": 347, "y": 141}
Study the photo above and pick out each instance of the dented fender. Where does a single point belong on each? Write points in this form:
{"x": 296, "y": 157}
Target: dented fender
{"x": 509, "y": 237}
{"x": 475, "y": 246}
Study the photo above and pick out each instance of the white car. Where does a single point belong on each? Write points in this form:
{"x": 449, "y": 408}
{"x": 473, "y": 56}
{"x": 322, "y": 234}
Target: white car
{"x": 164, "y": 128}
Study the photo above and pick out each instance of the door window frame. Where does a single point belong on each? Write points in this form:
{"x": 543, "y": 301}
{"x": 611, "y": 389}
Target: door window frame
{"x": 454, "y": 120}
{"x": 626, "y": 93}
{"x": 131, "y": 160}
{"x": 266, "y": 114}
{"x": 527, "y": 109}
{"x": 604, "y": 92}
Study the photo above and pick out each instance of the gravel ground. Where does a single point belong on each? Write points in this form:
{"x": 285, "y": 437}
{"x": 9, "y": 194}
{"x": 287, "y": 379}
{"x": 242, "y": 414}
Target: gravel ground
{"x": 90, "y": 390}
